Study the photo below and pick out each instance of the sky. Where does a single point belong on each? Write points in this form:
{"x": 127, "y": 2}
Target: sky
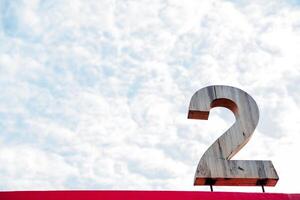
{"x": 95, "y": 94}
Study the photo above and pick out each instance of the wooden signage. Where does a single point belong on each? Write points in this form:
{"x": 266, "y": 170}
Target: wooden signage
{"x": 216, "y": 167}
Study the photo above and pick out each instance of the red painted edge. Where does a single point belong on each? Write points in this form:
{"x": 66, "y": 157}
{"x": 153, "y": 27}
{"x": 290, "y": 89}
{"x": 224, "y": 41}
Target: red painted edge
{"x": 141, "y": 195}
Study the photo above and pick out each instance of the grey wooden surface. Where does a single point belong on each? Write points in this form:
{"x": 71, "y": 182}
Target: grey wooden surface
{"x": 215, "y": 166}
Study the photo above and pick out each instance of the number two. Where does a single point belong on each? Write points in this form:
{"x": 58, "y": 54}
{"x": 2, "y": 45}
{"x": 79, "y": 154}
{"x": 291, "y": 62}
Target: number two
{"x": 215, "y": 166}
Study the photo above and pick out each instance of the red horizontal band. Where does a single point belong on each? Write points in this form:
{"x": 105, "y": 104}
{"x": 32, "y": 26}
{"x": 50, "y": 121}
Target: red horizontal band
{"x": 142, "y": 195}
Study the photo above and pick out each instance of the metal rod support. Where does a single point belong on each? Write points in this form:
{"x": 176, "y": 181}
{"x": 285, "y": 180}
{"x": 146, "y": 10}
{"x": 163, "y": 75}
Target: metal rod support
{"x": 211, "y": 188}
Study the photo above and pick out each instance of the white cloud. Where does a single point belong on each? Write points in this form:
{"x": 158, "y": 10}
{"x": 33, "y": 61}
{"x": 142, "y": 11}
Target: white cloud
{"x": 96, "y": 93}
{"x": 25, "y": 167}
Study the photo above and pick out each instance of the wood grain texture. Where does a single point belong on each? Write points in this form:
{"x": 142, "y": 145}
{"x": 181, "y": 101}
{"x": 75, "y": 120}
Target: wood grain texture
{"x": 215, "y": 166}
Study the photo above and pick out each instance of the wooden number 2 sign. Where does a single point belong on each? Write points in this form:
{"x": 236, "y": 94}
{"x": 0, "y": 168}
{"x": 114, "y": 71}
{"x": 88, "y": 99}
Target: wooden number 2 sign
{"x": 215, "y": 166}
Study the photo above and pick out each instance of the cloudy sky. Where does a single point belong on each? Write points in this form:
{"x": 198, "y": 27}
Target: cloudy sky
{"x": 95, "y": 94}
